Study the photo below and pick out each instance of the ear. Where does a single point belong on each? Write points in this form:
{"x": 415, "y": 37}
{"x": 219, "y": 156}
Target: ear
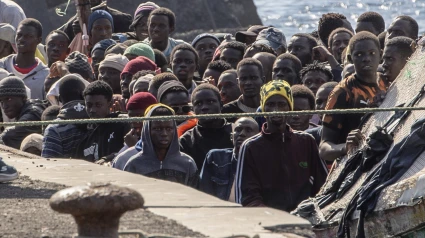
{"x": 172, "y": 28}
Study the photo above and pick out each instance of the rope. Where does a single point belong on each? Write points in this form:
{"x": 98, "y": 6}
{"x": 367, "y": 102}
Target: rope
{"x": 210, "y": 116}
{"x": 62, "y": 13}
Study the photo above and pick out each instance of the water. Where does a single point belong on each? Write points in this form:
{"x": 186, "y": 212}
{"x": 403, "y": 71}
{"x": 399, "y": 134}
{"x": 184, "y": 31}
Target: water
{"x": 294, "y": 16}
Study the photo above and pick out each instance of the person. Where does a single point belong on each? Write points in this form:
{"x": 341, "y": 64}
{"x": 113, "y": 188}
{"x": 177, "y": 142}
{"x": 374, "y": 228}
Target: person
{"x": 208, "y": 133}
{"x": 267, "y": 60}
{"x": 100, "y": 26}
{"x": 106, "y": 139}
{"x": 56, "y": 47}
{"x": 11, "y": 13}
{"x": 304, "y": 100}
{"x": 279, "y": 167}
{"x": 396, "y": 53}
{"x": 161, "y": 157}
{"x": 139, "y": 49}
{"x": 328, "y": 23}
{"x": 98, "y": 54}
{"x": 24, "y": 64}
{"x": 110, "y": 69}
{"x": 78, "y": 63}
{"x": 366, "y": 88}
{"x": 403, "y": 26}
{"x": 15, "y": 104}
{"x": 215, "y": 69}
{"x": 158, "y": 80}
{"x": 140, "y": 20}
{"x": 7, "y": 40}
{"x": 287, "y": 67}
{"x": 232, "y": 53}
{"x": 314, "y": 75}
{"x": 141, "y": 80}
{"x": 372, "y": 22}
{"x": 161, "y": 61}
{"x": 301, "y": 45}
{"x": 257, "y": 48}
{"x": 338, "y": 41}
{"x": 205, "y": 44}
{"x": 382, "y": 38}
{"x": 53, "y": 95}
{"x": 117, "y": 49}
{"x": 184, "y": 61}
{"x": 249, "y": 36}
{"x": 228, "y": 86}
{"x": 161, "y": 24}
{"x": 274, "y": 38}
{"x": 219, "y": 169}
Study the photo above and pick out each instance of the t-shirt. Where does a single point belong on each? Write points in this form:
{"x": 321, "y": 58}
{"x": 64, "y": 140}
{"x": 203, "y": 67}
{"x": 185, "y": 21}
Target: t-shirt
{"x": 348, "y": 94}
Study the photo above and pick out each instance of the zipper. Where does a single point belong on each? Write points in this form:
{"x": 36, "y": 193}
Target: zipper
{"x": 160, "y": 165}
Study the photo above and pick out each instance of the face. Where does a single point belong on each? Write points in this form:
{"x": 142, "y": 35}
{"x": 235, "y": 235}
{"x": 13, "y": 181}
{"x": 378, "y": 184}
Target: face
{"x": 206, "y": 102}
{"x": 284, "y": 69}
{"x": 27, "y": 39}
{"x": 231, "y": 56}
{"x": 162, "y": 133}
{"x": 142, "y": 29}
{"x": 178, "y": 101}
{"x": 366, "y": 26}
{"x": 159, "y": 28}
{"x": 300, "y": 122}
{"x": 49, "y": 82}
{"x": 97, "y": 106}
{"x": 101, "y": 30}
{"x": 243, "y": 130}
{"x": 366, "y": 57}
{"x": 400, "y": 28}
{"x": 212, "y": 73}
{"x": 206, "y": 48}
{"x": 112, "y": 77}
{"x": 393, "y": 62}
{"x": 229, "y": 88}
{"x": 97, "y": 56}
{"x": 322, "y": 98}
{"x": 250, "y": 80}
{"x": 137, "y": 126}
{"x": 141, "y": 87}
{"x": 12, "y": 105}
{"x": 56, "y": 47}
{"x": 314, "y": 79}
{"x": 339, "y": 43}
{"x": 184, "y": 65}
{"x": 125, "y": 82}
{"x": 300, "y": 47}
{"x": 5, "y": 49}
{"x": 276, "y": 103}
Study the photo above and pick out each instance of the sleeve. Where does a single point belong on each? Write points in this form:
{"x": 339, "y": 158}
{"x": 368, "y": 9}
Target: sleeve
{"x": 13, "y": 136}
{"x": 337, "y": 73}
{"x": 13, "y": 16}
{"x": 205, "y": 183}
{"x": 318, "y": 170}
{"x": 337, "y": 100}
{"x": 52, "y": 144}
{"x": 129, "y": 167}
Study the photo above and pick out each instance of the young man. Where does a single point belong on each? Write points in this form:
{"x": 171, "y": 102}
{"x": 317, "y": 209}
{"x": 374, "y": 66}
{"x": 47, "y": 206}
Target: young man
{"x": 215, "y": 69}
{"x": 328, "y": 23}
{"x": 287, "y": 67}
{"x": 301, "y": 45}
{"x": 98, "y": 54}
{"x": 131, "y": 68}
{"x": 158, "y": 80}
{"x": 228, "y": 86}
{"x": 274, "y": 38}
{"x": 278, "y": 168}
{"x": 338, "y": 41}
{"x": 372, "y": 22}
{"x": 396, "y": 53}
{"x": 403, "y": 26}
{"x": 314, "y": 75}
{"x": 100, "y": 26}
{"x": 185, "y": 62}
{"x": 219, "y": 169}
{"x": 110, "y": 70}
{"x": 57, "y": 43}
{"x": 365, "y": 88}
{"x": 303, "y": 101}
{"x": 140, "y": 21}
{"x": 161, "y": 157}
{"x": 208, "y": 133}
{"x": 205, "y": 45}
{"x": 24, "y": 64}
{"x": 232, "y": 53}
{"x": 267, "y": 60}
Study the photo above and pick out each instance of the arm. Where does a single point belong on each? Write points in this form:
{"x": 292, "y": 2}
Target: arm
{"x": 323, "y": 55}
{"x": 328, "y": 149}
{"x": 205, "y": 183}
{"x": 13, "y": 136}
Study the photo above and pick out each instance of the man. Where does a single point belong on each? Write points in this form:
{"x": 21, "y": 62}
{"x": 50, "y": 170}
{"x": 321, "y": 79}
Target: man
{"x": 328, "y": 23}
{"x": 7, "y": 40}
{"x": 140, "y": 21}
{"x": 403, "y": 26}
{"x": 338, "y": 41}
{"x": 303, "y": 101}
{"x": 98, "y": 54}
{"x": 205, "y": 45}
{"x": 314, "y": 75}
{"x": 301, "y": 45}
{"x": 278, "y": 168}
{"x": 274, "y": 38}
{"x": 57, "y": 43}
{"x": 396, "y": 53}
{"x": 372, "y": 22}
{"x": 131, "y": 68}
{"x": 184, "y": 62}
{"x": 24, "y": 64}
{"x": 365, "y": 88}
{"x": 287, "y": 67}
{"x": 208, "y": 133}
{"x": 215, "y": 69}
{"x": 158, "y": 80}
{"x": 267, "y": 60}
{"x": 232, "y": 53}
{"x": 249, "y": 36}
{"x": 100, "y": 26}
{"x": 11, "y": 13}
{"x": 110, "y": 69}
{"x": 228, "y": 86}
{"x": 161, "y": 157}
{"x": 218, "y": 173}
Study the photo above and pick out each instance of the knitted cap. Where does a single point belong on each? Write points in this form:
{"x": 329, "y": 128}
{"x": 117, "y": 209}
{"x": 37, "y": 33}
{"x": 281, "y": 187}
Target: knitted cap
{"x": 103, "y": 45}
{"x": 276, "y": 87}
{"x": 141, "y": 101}
{"x": 99, "y": 14}
{"x": 144, "y": 79}
{"x": 118, "y": 49}
{"x": 141, "y": 49}
{"x": 138, "y": 64}
{"x": 114, "y": 61}
{"x": 168, "y": 85}
{"x": 79, "y": 63}
{"x": 205, "y": 35}
{"x": 12, "y": 86}
{"x": 143, "y": 10}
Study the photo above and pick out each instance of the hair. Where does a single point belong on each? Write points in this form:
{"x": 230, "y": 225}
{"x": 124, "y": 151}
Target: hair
{"x": 207, "y": 86}
{"x": 50, "y": 112}
{"x": 165, "y": 12}
{"x": 142, "y": 73}
{"x": 185, "y": 47}
{"x": 71, "y": 89}
{"x": 235, "y": 45}
{"x": 327, "y": 23}
{"x": 33, "y": 23}
{"x": 361, "y": 36}
{"x": 219, "y": 66}
{"x": 129, "y": 43}
{"x": 375, "y": 18}
{"x": 251, "y": 61}
{"x": 336, "y": 31}
{"x": 330, "y": 85}
{"x": 160, "y": 59}
{"x": 262, "y": 48}
{"x": 175, "y": 89}
{"x": 382, "y": 37}
{"x": 403, "y": 44}
{"x": 311, "y": 40}
{"x": 295, "y": 61}
{"x": 412, "y": 23}
{"x": 60, "y": 33}
{"x": 159, "y": 79}
{"x": 161, "y": 111}
{"x": 99, "y": 87}
{"x": 316, "y": 66}
{"x": 301, "y": 91}
{"x": 249, "y": 119}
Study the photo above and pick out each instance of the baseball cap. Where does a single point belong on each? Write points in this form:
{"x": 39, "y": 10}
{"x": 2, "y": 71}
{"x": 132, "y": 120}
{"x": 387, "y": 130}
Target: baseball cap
{"x": 252, "y": 31}
{"x": 272, "y": 37}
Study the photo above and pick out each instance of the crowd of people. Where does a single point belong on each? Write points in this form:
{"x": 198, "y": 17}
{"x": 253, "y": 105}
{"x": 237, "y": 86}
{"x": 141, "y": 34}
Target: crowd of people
{"x": 134, "y": 68}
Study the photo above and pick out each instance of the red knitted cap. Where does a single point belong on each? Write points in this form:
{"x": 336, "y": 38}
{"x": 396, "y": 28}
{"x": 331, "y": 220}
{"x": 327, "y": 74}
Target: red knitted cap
{"x": 140, "y": 101}
{"x": 138, "y": 64}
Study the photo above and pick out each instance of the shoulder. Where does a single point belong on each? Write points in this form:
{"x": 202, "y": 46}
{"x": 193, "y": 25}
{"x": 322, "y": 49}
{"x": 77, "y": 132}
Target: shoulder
{"x": 188, "y": 159}
{"x": 252, "y": 141}
{"x": 218, "y": 153}
{"x": 177, "y": 42}
{"x": 230, "y": 105}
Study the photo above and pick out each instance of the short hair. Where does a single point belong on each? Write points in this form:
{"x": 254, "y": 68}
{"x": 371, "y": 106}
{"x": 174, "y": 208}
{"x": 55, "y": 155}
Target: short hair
{"x": 239, "y": 46}
{"x": 311, "y": 40}
{"x": 207, "y": 86}
{"x": 327, "y": 23}
{"x": 251, "y": 61}
{"x": 160, "y": 59}
{"x": 50, "y": 112}
{"x": 184, "y": 47}
{"x": 295, "y": 61}
{"x": 159, "y": 79}
{"x": 142, "y": 73}
{"x": 336, "y": 31}
{"x": 262, "y": 48}
{"x": 60, "y": 33}
{"x": 412, "y": 23}
{"x": 219, "y": 66}
{"x": 316, "y": 66}
{"x": 230, "y": 71}
{"x": 403, "y": 44}
{"x": 375, "y": 19}
{"x": 162, "y": 111}
{"x": 71, "y": 89}
{"x": 99, "y": 87}
{"x": 361, "y": 36}
{"x": 165, "y": 12}
{"x": 328, "y": 85}
{"x": 382, "y": 37}
{"x": 33, "y": 23}
{"x": 301, "y": 91}
{"x": 175, "y": 89}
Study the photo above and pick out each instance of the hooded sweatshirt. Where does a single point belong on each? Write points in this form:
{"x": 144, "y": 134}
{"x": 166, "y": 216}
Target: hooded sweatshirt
{"x": 34, "y": 80}
{"x": 176, "y": 166}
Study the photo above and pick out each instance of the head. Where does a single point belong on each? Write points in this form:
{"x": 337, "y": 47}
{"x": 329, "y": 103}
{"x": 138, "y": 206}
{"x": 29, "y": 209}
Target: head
{"x": 78, "y": 63}
{"x": 158, "y": 80}
{"x": 176, "y": 96}
{"x": 13, "y": 96}
{"x": 215, "y": 69}
{"x": 98, "y": 98}
{"x": 7, "y": 39}
{"x": 382, "y": 37}
{"x": 32, "y": 144}
{"x": 71, "y": 88}
{"x": 301, "y": 45}
{"x": 323, "y": 93}
{"x": 136, "y": 107}
{"x": 243, "y": 129}
{"x": 274, "y": 38}
{"x": 315, "y": 75}
{"x": 250, "y": 77}
{"x": 98, "y": 54}
{"x": 205, "y": 45}
{"x": 329, "y": 22}
{"x": 100, "y": 26}
{"x": 110, "y": 71}
{"x": 249, "y": 36}
{"x": 206, "y": 100}
{"x": 304, "y": 100}
{"x": 403, "y": 26}
{"x": 50, "y": 113}
{"x": 338, "y": 41}
{"x": 117, "y": 49}
{"x": 139, "y": 49}
{"x": 228, "y": 86}
{"x": 257, "y": 48}
{"x": 160, "y": 60}
{"x": 232, "y": 53}
{"x": 184, "y": 62}
{"x": 372, "y": 22}
{"x": 162, "y": 132}
{"x": 365, "y": 53}
{"x": 161, "y": 23}
{"x": 57, "y": 49}
{"x": 267, "y": 60}
{"x": 141, "y": 81}
{"x": 28, "y": 36}
{"x": 140, "y": 19}
{"x": 396, "y": 53}
{"x": 131, "y": 68}
{"x": 287, "y": 67}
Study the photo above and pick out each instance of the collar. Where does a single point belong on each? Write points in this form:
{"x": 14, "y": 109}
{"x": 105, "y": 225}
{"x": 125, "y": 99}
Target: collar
{"x": 206, "y": 128}
{"x": 283, "y": 136}
{"x": 244, "y": 107}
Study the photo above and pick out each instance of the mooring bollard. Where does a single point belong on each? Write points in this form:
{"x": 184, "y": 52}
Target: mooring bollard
{"x": 96, "y": 208}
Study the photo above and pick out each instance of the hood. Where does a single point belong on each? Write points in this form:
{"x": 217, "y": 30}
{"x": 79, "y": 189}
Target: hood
{"x": 73, "y": 110}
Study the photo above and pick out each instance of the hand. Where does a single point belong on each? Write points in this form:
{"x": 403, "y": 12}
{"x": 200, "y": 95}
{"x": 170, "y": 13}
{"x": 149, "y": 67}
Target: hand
{"x": 321, "y": 54}
{"x": 116, "y": 106}
{"x": 354, "y": 138}
{"x": 76, "y": 27}
{"x": 210, "y": 80}
{"x": 61, "y": 68}
{"x": 131, "y": 138}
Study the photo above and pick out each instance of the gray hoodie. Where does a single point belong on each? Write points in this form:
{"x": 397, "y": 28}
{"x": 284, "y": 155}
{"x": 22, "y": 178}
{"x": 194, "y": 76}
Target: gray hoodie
{"x": 176, "y": 167}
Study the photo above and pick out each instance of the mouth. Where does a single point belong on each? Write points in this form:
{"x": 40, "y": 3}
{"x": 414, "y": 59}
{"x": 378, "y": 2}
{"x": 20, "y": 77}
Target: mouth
{"x": 209, "y": 57}
{"x": 164, "y": 142}
{"x": 367, "y": 67}
{"x": 249, "y": 90}
{"x": 182, "y": 71}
